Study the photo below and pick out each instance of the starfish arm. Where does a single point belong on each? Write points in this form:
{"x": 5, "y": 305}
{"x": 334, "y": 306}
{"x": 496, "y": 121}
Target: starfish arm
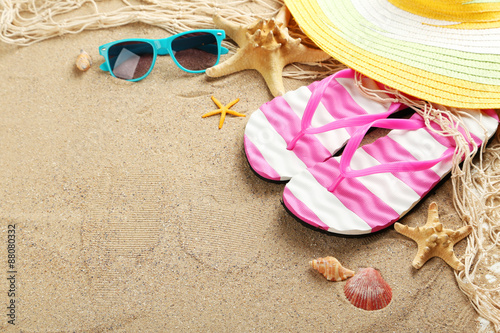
{"x": 211, "y": 113}
{"x": 234, "y": 113}
{"x": 433, "y": 215}
{"x": 460, "y": 234}
{"x": 303, "y": 53}
{"x": 272, "y": 74}
{"x": 233, "y": 30}
{"x": 216, "y": 101}
{"x": 232, "y": 103}
{"x": 399, "y": 227}
{"x": 424, "y": 253}
{"x": 236, "y": 63}
{"x": 406, "y": 231}
{"x": 449, "y": 257}
{"x": 222, "y": 118}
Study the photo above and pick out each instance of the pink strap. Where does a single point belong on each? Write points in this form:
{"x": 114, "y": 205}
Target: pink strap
{"x": 402, "y": 166}
{"x": 312, "y": 105}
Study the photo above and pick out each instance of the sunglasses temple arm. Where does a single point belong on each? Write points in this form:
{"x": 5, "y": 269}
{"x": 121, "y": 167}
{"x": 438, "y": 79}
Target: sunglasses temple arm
{"x": 104, "y": 66}
{"x": 223, "y": 50}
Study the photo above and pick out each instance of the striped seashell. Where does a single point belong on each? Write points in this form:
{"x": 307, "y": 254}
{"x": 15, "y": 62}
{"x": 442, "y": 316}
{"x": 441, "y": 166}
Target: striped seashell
{"x": 331, "y": 269}
{"x": 83, "y": 61}
{"x": 367, "y": 290}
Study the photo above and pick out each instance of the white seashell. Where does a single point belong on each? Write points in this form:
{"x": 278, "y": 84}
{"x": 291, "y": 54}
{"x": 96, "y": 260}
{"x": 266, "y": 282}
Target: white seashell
{"x": 83, "y": 61}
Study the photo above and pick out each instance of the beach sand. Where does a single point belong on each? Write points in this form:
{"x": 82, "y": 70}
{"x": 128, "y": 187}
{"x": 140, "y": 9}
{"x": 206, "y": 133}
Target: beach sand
{"x": 133, "y": 213}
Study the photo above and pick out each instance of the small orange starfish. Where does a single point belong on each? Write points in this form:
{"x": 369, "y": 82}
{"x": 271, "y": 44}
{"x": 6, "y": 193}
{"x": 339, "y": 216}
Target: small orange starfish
{"x": 223, "y": 110}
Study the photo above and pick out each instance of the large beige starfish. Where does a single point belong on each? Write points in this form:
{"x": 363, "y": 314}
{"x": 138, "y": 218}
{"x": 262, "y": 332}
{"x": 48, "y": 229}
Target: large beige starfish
{"x": 223, "y": 110}
{"x": 434, "y": 241}
{"x": 267, "y": 47}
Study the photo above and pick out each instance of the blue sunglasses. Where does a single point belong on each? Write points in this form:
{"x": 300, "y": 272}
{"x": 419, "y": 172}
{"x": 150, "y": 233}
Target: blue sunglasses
{"x": 193, "y": 51}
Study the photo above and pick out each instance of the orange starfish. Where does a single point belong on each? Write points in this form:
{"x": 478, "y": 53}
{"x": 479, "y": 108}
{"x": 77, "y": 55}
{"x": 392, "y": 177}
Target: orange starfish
{"x": 223, "y": 110}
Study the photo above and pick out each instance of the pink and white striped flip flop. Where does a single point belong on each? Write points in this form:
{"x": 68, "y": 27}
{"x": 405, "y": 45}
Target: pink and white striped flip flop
{"x": 309, "y": 125}
{"x": 369, "y": 188}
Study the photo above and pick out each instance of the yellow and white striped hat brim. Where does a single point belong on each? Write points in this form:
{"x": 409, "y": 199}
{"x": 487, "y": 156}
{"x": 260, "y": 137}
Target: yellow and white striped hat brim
{"x": 442, "y": 51}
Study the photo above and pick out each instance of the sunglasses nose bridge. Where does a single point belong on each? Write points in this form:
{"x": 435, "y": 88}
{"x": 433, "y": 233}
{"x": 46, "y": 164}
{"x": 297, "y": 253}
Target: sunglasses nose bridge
{"x": 161, "y": 47}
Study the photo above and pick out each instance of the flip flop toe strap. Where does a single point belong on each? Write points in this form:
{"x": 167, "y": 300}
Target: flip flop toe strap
{"x": 399, "y": 166}
{"x": 312, "y": 106}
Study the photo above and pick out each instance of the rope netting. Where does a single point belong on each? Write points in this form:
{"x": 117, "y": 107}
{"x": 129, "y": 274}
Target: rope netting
{"x": 24, "y": 22}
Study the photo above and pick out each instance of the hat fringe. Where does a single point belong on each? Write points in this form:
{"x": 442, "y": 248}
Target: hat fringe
{"x": 476, "y": 184}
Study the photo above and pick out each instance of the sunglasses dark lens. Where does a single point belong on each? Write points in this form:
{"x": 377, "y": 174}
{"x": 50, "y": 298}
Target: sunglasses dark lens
{"x": 196, "y": 51}
{"x": 130, "y": 60}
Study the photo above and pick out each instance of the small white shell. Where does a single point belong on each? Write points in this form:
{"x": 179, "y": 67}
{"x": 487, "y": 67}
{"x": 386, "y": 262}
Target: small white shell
{"x": 83, "y": 61}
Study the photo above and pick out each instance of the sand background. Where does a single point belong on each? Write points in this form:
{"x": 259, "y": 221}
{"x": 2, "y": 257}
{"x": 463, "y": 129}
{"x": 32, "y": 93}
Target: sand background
{"x": 134, "y": 214}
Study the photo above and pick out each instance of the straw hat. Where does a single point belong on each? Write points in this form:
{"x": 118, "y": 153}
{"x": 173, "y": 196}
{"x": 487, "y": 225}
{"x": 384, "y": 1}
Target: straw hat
{"x": 442, "y": 51}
